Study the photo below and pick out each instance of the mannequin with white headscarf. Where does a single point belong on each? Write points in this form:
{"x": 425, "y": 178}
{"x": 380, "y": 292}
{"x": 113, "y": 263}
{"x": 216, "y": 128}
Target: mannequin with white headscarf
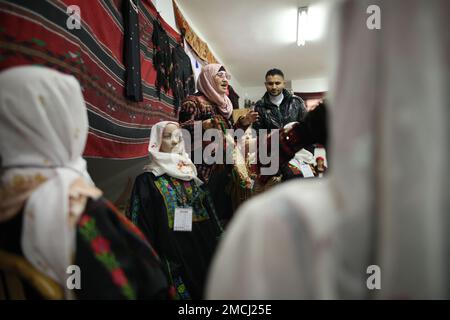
{"x": 165, "y": 193}
{"x": 385, "y": 202}
{"x": 50, "y": 211}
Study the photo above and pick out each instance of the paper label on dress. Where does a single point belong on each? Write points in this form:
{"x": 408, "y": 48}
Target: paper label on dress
{"x": 183, "y": 219}
{"x": 306, "y": 170}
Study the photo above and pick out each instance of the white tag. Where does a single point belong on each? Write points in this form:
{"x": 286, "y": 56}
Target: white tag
{"x": 306, "y": 170}
{"x": 183, "y": 219}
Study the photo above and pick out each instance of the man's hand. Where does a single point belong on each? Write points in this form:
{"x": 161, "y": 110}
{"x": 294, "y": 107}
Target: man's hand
{"x": 249, "y": 118}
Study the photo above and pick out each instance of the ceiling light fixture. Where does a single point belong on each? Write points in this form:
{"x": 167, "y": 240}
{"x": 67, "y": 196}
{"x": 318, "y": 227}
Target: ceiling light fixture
{"x": 302, "y": 25}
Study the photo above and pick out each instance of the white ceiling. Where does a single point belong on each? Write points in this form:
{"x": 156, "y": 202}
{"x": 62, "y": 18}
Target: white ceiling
{"x": 252, "y": 36}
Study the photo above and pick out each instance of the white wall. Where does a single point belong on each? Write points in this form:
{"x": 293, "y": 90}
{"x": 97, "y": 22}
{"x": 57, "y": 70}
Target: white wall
{"x": 299, "y": 85}
{"x": 253, "y": 93}
{"x": 310, "y": 85}
{"x": 165, "y": 9}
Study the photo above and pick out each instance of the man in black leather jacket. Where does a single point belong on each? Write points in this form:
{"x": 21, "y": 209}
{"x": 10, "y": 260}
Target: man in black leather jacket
{"x": 278, "y": 107}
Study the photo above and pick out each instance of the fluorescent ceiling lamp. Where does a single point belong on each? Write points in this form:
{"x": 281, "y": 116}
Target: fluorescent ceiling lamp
{"x": 302, "y": 25}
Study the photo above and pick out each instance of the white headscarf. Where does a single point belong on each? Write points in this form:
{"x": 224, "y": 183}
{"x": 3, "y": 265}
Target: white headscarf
{"x": 177, "y": 165}
{"x": 386, "y": 200}
{"x": 43, "y": 129}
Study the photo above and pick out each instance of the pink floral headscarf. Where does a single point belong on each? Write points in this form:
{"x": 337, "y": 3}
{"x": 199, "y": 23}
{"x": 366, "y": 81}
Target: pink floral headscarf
{"x": 206, "y": 85}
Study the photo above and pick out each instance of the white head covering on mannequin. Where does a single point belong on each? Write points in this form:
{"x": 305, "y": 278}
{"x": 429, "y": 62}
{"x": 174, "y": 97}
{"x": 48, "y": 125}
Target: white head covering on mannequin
{"x": 43, "y": 129}
{"x": 177, "y": 163}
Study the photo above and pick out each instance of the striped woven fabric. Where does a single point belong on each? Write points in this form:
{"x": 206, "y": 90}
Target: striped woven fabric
{"x": 35, "y": 32}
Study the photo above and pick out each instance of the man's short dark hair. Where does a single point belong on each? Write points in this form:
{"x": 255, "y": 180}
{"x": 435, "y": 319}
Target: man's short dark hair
{"x": 274, "y": 72}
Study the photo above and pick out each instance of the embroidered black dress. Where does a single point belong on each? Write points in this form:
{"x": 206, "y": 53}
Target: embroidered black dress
{"x": 181, "y": 77}
{"x": 186, "y": 256}
{"x": 115, "y": 259}
{"x": 161, "y": 57}
{"x": 127, "y": 266}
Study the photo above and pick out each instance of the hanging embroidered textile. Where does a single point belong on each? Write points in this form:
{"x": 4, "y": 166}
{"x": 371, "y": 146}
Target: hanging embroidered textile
{"x": 133, "y": 83}
{"x": 161, "y": 57}
{"x": 182, "y": 76}
{"x": 91, "y": 48}
{"x": 198, "y": 45}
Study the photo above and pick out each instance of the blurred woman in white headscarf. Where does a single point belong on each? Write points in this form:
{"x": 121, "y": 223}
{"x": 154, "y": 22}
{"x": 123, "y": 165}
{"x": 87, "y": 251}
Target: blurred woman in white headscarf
{"x": 378, "y": 225}
{"x": 50, "y": 211}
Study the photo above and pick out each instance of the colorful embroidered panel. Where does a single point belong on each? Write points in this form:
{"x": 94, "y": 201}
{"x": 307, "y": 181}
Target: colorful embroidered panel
{"x": 102, "y": 249}
{"x": 178, "y": 193}
{"x": 38, "y": 33}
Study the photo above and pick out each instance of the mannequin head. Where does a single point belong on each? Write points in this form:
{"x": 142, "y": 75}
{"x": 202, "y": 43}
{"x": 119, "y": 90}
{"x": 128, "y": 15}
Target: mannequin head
{"x": 171, "y": 139}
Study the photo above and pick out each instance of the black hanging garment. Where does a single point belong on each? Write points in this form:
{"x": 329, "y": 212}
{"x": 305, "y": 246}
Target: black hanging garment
{"x": 182, "y": 79}
{"x": 132, "y": 56}
{"x": 234, "y": 97}
{"x": 161, "y": 57}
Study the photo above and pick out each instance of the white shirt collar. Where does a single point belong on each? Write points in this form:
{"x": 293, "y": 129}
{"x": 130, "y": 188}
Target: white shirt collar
{"x": 277, "y": 99}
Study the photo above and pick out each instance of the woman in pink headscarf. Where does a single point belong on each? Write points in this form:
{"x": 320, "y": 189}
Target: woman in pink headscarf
{"x": 211, "y": 108}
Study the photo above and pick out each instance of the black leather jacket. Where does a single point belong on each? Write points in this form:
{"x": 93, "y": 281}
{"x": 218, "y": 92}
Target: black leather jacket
{"x": 292, "y": 108}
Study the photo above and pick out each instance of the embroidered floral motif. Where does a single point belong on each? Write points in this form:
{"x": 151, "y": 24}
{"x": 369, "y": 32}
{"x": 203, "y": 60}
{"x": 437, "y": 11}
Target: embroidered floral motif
{"x": 135, "y": 207}
{"x": 102, "y": 249}
{"x": 169, "y": 197}
{"x": 183, "y": 166}
{"x": 195, "y": 197}
{"x": 177, "y": 288}
{"x": 295, "y": 170}
{"x": 176, "y": 195}
{"x": 100, "y": 245}
{"x": 172, "y": 293}
{"x": 119, "y": 277}
{"x": 180, "y": 287}
{"x": 84, "y": 219}
{"x": 19, "y": 184}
